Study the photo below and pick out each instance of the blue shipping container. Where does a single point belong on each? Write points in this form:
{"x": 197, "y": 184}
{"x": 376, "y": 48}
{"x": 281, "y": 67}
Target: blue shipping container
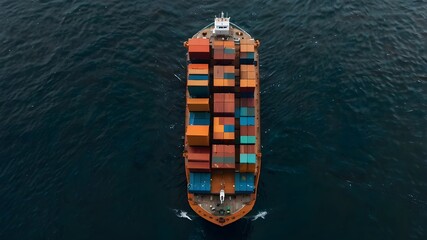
{"x": 247, "y": 121}
{"x": 228, "y": 75}
{"x": 198, "y": 77}
{"x": 229, "y": 51}
{"x": 199, "y": 118}
{"x": 199, "y": 182}
{"x": 244, "y": 182}
{"x": 237, "y": 113}
{"x": 228, "y": 128}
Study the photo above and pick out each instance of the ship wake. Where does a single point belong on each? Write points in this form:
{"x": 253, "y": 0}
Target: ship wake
{"x": 261, "y": 214}
{"x": 182, "y": 214}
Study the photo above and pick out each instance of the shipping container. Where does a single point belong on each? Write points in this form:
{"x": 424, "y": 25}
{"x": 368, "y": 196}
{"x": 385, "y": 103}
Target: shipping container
{"x": 199, "y": 118}
{"x": 198, "y": 104}
{"x": 223, "y": 156}
{"x": 244, "y": 182}
{"x": 247, "y": 121}
{"x": 199, "y": 166}
{"x": 247, "y": 139}
{"x": 198, "y": 157}
{"x": 197, "y": 135}
{"x": 199, "y": 49}
{"x": 224, "y": 104}
{"x": 199, "y": 182}
{"x": 198, "y": 91}
{"x": 223, "y": 128}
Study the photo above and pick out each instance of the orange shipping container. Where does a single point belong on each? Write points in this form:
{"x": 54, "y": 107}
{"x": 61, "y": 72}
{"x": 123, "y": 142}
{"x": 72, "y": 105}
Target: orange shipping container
{"x": 251, "y": 167}
{"x": 228, "y": 44}
{"x": 198, "y": 135}
{"x": 198, "y": 66}
{"x": 218, "y": 43}
{"x": 198, "y": 71}
{"x": 243, "y": 167}
{"x": 198, "y": 140}
{"x": 198, "y": 49}
{"x": 198, "y": 104}
{"x": 202, "y": 83}
{"x": 218, "y": 82}
{"x": 246, "y": 41}
{"x": 229, "y": 135}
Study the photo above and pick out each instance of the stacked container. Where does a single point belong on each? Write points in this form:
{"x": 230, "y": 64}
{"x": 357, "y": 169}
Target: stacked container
{"x": 198, "y": 104}
{"x": 198, "y": 151}
{"x": 247, "y": 121}
{"x": 224, "y": 77}
{"x": 198, "y": 80}
{"x": 247, "y": 80}
{"x": 223, "y": 156}
{"x": 198, "y": 159}
{"x": 223, "y": 128}
{"x": 224, "y": 104}
{"x": 247, "y": 160}
{"x": 224, "y": 52}
{"x": 198, "y": 50}
{"x": 247, "y": 51}
{"x": 197, "y": 135}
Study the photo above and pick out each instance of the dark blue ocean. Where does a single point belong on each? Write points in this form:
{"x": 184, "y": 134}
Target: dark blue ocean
{"x": 92, "y": 119}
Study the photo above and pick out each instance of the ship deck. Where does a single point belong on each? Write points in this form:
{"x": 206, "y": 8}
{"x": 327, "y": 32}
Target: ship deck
{"x": 235, "y": 206}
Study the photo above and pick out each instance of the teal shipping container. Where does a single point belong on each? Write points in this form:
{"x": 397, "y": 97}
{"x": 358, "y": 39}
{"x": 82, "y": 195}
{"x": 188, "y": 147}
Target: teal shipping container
{"x": 247, "y": 139}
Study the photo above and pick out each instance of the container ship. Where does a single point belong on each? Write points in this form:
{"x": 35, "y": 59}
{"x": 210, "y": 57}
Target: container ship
{"x": 222, "y": 122}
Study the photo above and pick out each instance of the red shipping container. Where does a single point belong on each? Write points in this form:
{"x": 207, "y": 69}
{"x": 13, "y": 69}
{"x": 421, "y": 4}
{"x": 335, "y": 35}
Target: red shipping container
{"x": 218, "y": 108}
{"x": 198, "y": 149}
{"x": 198, "y": 48}
{"x": 229, "y": 149}
{"x": 218, "y": 136}
{"x": 244, "y": 131}
{"x": 247, "y": 148}
{"x": 247, "y": 102}
{"x": 250, "y": 148}
{"x": 229, "y": 97}
{"x": 219, "y": 53}
{"x": 228, "y": 165}
{"x": 247, "y": 130}
{"x": 200, "y": 166}
{"x": 198, "y": 157}
{"x": 219, "y": 97}
{"x": 229, "y": 108}
{"x": 228, "y": 120}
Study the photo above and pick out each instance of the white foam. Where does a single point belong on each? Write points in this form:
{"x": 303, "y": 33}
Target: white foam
{"x": 182, "y": 214}
{"x": 260, "y": 215}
